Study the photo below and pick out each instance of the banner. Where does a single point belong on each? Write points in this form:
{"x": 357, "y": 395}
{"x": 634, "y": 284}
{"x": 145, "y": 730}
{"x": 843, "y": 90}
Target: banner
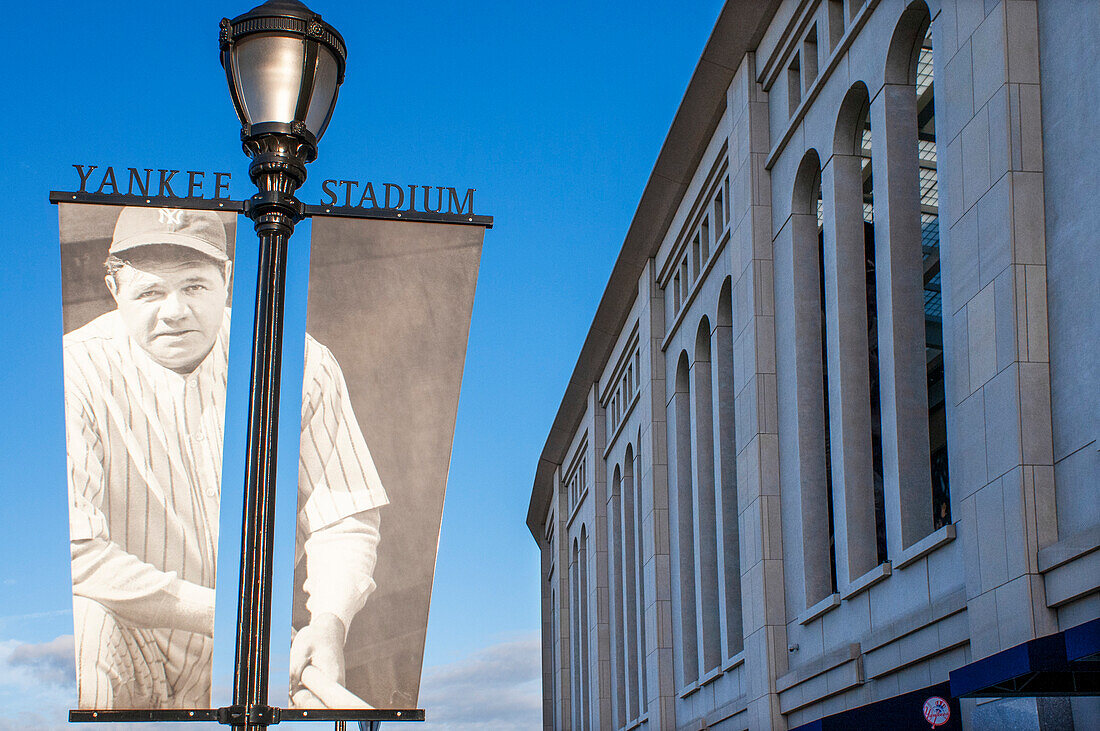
{"x": 388, "y": 318}
{"x": 146, "y": 319}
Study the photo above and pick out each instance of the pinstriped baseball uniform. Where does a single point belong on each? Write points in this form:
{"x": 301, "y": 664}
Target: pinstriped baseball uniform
{"x": 337, "y": 484}
{"x": 144, "y": 446}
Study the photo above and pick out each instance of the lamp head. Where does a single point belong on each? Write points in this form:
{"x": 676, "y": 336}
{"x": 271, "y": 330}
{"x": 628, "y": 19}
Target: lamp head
{"x": 284, "y": 65}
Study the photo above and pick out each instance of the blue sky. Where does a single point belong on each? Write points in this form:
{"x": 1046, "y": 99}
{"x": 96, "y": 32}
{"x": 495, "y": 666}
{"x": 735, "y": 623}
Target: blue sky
{"x": 554, "y": 112}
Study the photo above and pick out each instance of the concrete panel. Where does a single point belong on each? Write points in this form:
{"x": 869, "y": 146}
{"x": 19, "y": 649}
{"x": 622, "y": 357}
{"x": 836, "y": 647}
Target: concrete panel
{"x": 990, "y": 68}
{"x": 1028, "y": 219}
{"x": 961, "y": 280}
{"x": 1035, "y": 413}
{"x": 1022, "y": 25}
{"x": 945, "y": 35}
{"x": 997, "y": 115}
{"x": 975, "y": 159}
{"x": 958, "y": 93}
{"x": 1005, "y": 306}
{"x": 981, "y": 337}
{"x": 989, "y": 513}
{"x": 1002, "y": 422}
{"x": 995, "y": 231}
{"x": 1030, "y": 128}
{"x": 1036, "y": 330}
{"x": 949, "y": 169}
{"x": 968, "y": 446}
{"x": 958, "y": 361}
{"x": 969, "y": 14}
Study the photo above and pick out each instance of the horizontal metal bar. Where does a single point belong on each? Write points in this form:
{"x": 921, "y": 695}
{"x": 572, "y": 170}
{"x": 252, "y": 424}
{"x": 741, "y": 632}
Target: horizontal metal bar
{"x": 352, "y": 714}
{"x": 138, "y": 715}
{"x": 176, "y": 715}
{"x": 393, "y": 214}
{"x": 151, "y": 201}
{"x": 225, "y": 204}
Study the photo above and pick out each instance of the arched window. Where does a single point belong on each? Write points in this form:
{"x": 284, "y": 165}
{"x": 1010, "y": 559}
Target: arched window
{"x": 702, "y": 426}
{"x": 618, "y": 566}
{"x": 585, "y": 701}
{"x": 853, "y": 341}
{"x": 803, "y": 377}
{"x": 575, "y": 669}
{"x": 555, "y": 668}
{"x": 679, "y": 412}
{"x": 933, "y": 308}
{"x": 630, "y": 584}
{"x": 639, "y": 521}
{"x": 725, "y": 447}
{"x": 914, "y": 421}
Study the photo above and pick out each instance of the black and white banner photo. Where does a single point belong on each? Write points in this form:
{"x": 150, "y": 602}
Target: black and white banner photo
{"x": 146, "y": 295}
{"x": 388, "y": 318}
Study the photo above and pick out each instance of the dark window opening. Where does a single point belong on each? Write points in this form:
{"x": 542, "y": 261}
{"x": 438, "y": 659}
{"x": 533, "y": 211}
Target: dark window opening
{"x": 933, "y": 306}
{"x": 872, "y": 340}
{"x": 825, "y": 394}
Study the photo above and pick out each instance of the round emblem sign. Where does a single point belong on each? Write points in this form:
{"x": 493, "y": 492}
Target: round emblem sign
{"x": 936, "y": 711}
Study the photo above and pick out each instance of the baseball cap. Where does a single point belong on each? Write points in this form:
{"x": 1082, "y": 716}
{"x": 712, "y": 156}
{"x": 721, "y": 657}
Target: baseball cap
{"x": 202, "y": 231}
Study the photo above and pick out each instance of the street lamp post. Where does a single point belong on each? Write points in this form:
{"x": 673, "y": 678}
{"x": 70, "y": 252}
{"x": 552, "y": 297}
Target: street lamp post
{"x": 284, "y": 65}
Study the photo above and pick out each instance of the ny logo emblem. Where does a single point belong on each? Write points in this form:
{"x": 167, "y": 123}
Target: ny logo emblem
{"x": 170, "y": 216}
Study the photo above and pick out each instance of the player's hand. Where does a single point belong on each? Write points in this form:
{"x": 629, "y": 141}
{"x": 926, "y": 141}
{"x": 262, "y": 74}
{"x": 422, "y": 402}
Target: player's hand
{"x": 321, "y": 644}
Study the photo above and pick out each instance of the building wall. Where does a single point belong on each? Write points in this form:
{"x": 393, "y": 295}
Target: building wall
{"x": 1070, "y": 110}
{"x": 758, "y": 540}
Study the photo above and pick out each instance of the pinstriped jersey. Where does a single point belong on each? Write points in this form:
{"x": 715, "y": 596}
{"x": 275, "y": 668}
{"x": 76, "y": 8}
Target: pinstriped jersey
{"x": 145, "y": 453}
{"x": 336, "y": 473}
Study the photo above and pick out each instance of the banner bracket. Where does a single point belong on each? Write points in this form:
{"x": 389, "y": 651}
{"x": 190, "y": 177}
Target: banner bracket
{"x": 252, "y": 715}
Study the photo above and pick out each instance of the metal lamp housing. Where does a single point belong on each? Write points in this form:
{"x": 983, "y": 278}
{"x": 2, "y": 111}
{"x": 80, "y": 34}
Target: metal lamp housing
{"x": 284, "y": 65}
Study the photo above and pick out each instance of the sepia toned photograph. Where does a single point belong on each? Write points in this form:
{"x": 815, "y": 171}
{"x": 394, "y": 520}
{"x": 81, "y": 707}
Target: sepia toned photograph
{"x": 390, "y": 301}
{"x": 146, "y": 296}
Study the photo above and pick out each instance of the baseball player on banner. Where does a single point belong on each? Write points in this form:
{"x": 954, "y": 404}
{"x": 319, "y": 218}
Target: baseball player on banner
{"x": 145, "y": 412}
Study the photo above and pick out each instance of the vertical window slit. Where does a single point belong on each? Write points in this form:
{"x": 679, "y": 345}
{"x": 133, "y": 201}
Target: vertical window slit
{"x": 872, "y": 336}
{"x": 819, "y": 207}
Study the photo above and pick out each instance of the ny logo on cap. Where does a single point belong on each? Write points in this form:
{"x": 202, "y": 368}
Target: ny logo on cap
{"x": 170, "y": 216}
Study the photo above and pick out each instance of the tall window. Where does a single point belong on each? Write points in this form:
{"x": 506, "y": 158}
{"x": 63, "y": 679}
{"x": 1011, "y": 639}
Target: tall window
{"x": 617, "y": 564}
{"x": 631, "y": 581}
{"x": 555, "y": 668}
{"x": 725, "y": 446}
{"x": 706, "y": 579}
{"x": 639, "y": 521}
{"x": 575, "y": 670}
{"x": 878, "y": 485}
{"x": 803, "y": 379}
{"x": 681, "y": 437}
{"x": 933, "y": 308}
{"x": 827, "y": 430}
{"x": 585, "y": 699}
{"x": 919, "y": 438}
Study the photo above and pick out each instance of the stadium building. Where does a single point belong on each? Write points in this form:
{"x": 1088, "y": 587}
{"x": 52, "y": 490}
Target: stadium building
{"x": 830, "y": 450}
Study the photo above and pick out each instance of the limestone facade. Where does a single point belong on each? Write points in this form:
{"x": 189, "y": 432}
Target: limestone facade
{"x": 806, "y": 463}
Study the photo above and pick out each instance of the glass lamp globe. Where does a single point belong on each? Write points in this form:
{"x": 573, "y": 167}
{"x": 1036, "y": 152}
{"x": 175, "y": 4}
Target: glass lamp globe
{"x": 284, "y": 65}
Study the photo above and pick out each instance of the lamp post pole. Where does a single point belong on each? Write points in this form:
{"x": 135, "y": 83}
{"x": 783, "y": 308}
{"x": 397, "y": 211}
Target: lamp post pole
{"x": 284, "y": 66}
{"x": 277, "y": 172}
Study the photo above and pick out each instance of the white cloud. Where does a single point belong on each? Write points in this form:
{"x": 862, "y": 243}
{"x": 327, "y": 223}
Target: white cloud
{"x": 38, "y": 687}
{"x": 499, "y": 687}
{"x": 50, "y": 662}
{"x": 37, "y": 683}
